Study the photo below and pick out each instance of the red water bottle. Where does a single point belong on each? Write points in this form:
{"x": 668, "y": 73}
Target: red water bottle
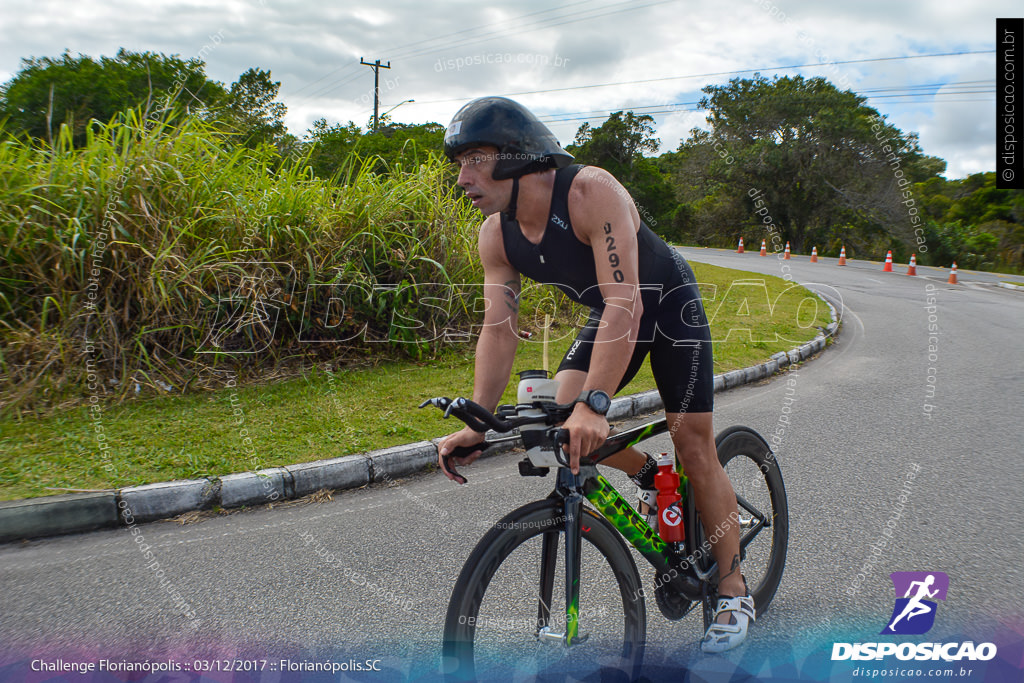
{"x": 670, "y": 518}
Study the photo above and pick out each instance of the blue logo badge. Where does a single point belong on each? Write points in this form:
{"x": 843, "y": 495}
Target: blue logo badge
{"x": 916, "y": 593}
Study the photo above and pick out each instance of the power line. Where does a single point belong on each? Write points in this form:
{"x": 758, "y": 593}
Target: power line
{"x": 724, "y": 73}
{"x": 677, "y": 110}
{"x": 504, "y": 23}
{"x": 971, "y": 88}
{"x": 401, "y": 51}
{"x": 397, "y": 52}
{"x": 632, "y": 6}
{"x": 911, "y": 91}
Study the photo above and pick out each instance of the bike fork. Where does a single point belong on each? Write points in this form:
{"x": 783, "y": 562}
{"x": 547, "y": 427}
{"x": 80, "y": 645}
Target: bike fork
{"x": 548, "y": 558}
{"x": 573, "y": 509}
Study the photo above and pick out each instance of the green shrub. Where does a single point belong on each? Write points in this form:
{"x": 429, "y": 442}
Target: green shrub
{"x": 159, "y": 253}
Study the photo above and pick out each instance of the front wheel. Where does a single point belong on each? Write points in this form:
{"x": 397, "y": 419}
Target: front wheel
{"x": 763, "y": 514}
{"x": 508, "y": 606}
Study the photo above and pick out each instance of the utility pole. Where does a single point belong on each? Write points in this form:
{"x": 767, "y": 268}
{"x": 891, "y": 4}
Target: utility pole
{"x": 376, "y": 66}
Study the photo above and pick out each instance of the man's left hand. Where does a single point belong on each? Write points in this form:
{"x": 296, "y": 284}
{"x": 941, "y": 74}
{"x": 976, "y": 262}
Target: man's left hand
{"x": 587, "y": 432}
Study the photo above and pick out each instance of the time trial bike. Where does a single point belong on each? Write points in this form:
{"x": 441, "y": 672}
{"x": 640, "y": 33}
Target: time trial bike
{"x": 505, "y": 620}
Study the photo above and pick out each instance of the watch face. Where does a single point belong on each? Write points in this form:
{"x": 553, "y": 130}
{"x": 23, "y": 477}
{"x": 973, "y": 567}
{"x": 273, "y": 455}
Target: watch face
{"x": 600, "y": 402}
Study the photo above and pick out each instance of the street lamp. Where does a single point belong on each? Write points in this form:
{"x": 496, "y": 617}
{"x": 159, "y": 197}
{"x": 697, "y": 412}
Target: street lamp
{"x": 396, "y": 107}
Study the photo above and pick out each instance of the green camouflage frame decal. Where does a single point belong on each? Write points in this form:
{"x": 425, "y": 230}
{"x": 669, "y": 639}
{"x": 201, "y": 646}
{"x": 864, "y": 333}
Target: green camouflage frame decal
{"x": 572, "y": 623}
{"x": 617, "y": 510}
{"x": 647, "y": 432}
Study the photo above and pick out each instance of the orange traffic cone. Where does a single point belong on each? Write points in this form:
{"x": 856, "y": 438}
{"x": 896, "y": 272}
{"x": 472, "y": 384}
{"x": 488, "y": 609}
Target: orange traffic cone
{"x": 740, "y": 250}
{"x": 842, "y": 256}
{"x": 814, "y": 254}
{"x": 888, "y": 262}
{"x": 764, "y": 248}
{"x": 952, "y": 275}
{"x": 786, "y": 257}
{"x": 912, "y": 268}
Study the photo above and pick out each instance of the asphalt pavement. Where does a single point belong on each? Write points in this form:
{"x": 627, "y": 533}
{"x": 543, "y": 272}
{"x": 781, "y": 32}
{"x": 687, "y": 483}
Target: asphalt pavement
{"x": 367, "y": 576}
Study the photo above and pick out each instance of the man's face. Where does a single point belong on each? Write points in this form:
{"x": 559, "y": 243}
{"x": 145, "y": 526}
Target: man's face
{"x": 488, "y": 195}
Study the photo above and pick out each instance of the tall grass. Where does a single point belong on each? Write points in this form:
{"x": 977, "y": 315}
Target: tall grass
{"x": 159, "y": 254}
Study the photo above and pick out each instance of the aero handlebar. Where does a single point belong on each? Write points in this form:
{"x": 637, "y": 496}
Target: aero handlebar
{"x": 479, "y": 419}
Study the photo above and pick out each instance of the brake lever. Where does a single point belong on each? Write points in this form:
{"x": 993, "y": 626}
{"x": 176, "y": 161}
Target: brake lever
{"x": 450, "y": 407}
{"x": 462, "y": 452}
{"x": 439, "y": 402}
{"x": 560, "y": 437}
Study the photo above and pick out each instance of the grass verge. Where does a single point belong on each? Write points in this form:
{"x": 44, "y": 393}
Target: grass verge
{"x": 330, "y": 412}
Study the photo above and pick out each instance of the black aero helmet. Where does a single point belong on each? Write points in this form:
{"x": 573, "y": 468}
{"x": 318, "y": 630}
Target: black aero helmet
{"x": 525, "y": 144}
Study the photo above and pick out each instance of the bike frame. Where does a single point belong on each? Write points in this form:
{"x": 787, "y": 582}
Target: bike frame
{"x": 682, "y": 571}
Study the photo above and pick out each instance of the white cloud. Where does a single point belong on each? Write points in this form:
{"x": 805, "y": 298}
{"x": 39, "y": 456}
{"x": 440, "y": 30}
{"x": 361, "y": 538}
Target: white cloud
{"x": 314, "y": 50}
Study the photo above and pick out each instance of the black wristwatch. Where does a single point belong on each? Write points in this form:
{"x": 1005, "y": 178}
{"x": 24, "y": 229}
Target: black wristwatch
{"x": 596, "y": 400}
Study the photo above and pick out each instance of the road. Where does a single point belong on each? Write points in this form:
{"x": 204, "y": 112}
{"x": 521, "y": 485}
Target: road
{"x": 254, "y": 581}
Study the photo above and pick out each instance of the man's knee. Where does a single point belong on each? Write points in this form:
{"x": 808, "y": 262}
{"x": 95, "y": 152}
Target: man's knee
{"x": 688, "y": 429}
{"x": 693, "y": 438}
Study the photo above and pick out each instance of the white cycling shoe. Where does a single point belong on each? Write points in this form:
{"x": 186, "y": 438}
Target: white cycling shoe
{"x": 722, "y": 637}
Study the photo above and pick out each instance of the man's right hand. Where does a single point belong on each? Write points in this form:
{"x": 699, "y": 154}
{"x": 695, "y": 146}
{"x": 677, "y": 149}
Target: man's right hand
{"x": 465, "y": 438}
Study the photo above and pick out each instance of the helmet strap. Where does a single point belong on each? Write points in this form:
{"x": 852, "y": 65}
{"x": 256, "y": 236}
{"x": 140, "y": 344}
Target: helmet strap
{"x": 511, "y": 213}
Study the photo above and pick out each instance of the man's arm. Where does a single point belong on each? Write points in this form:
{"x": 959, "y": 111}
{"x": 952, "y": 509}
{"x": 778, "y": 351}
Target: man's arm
{"x": 604, "y": 216}
{"x": 496, "y": 347}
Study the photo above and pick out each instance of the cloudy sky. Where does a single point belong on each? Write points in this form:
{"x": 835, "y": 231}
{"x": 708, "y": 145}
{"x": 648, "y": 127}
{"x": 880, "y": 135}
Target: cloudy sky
{"x": 928, "y": 65}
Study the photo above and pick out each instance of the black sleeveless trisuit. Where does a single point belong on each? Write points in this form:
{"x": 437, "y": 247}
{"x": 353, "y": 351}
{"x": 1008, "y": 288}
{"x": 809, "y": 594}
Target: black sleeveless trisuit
{"x": 673, "y": 328}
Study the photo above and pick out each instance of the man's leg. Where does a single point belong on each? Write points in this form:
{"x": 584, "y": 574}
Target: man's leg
{"x": 694, "y": 440}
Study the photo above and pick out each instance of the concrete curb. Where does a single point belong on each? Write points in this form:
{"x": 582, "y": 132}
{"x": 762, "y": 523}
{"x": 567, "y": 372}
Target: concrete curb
{"x": 52, "y": 515}
{"x": 1009, "y": 285}
{"x": 169, "y": 498}
{"x": 255, "y": 488}
{"x": 78, "y": 512}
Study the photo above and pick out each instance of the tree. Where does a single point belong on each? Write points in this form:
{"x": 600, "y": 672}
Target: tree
{"x": 973, "y": 222}
{"x": 397, "y": 144}
{"x": 253, "y": 109}
{"x": 709, "y": 213}
{"x": 334, "y": 147}
{"x": 617, "y": 143}
{"x": 618, "y": 146}
{"x": 48, "y": 92}
{"x": 820, "y": 157}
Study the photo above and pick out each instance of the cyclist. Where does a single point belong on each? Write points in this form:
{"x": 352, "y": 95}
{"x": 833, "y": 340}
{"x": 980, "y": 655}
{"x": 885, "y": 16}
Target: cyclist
{"x": 577, "y": 228}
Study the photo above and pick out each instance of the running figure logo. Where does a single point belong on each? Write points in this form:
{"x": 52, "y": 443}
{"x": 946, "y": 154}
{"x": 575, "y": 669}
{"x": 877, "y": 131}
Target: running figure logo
{"x": 914, "y": 612}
